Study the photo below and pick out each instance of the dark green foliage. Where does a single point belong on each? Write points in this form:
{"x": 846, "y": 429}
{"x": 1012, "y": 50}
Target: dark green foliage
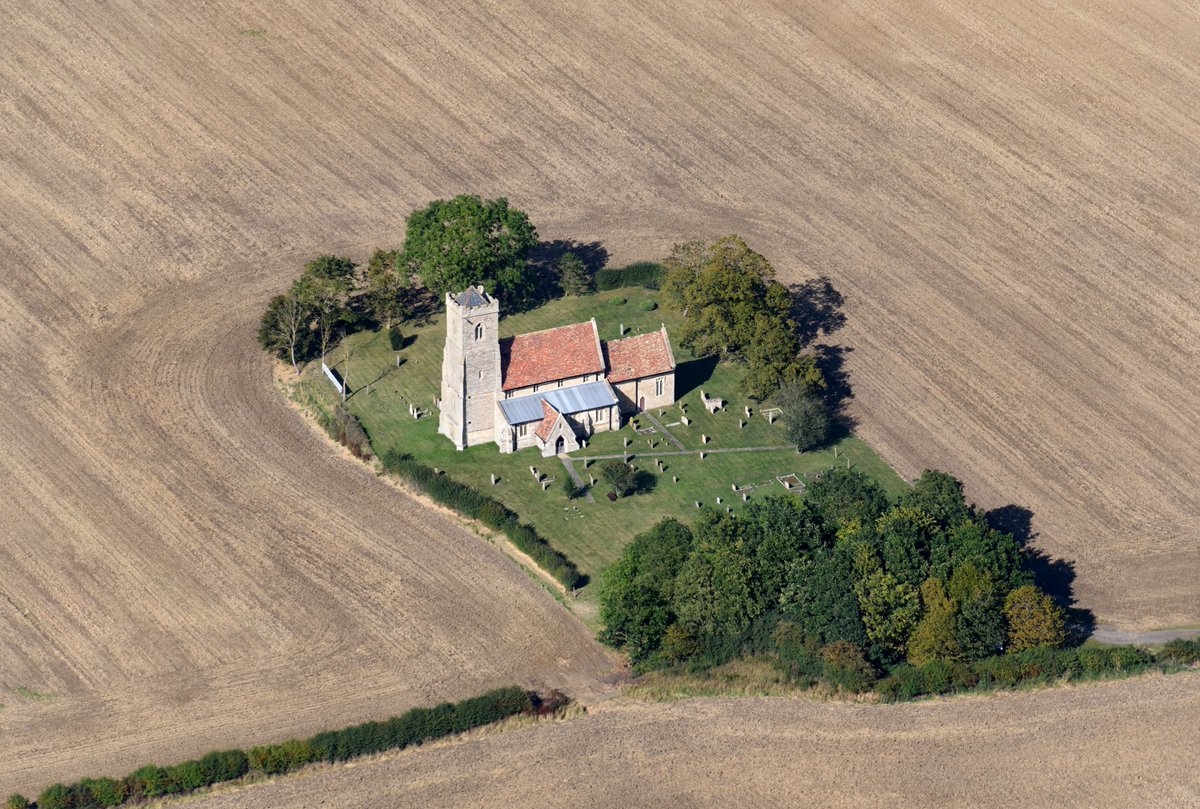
{"x": 16, "y": 801}
{"x": 646, "y": 274}
{"x": 806, "y": 421}
{"x": 1183, "y": 652}
{"x": 570, "y": 488}
{"x": 843, "y": 495}
{"x": 618, "y": 302}
{"x": 714, "y": 591}
{"x": 620, "y": 476}
{"x": 385, "y": 289}
{"x": 395, "y": 337}
{"x": 573, "y": 276}
{"x": 940, "y": 496}
{"x": 285, "y": 330}
{"x": 637, "y": 592}
{"x": 453, "y": 244}
{"x": 647, "y": 306}
{"x": 908, "y": 536}
{"x": 476, "y": 505}
{"x": 819, "y": 594}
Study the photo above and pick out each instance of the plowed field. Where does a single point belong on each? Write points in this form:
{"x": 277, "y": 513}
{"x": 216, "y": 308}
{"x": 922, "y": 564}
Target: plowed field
{"x": 1006, "y": 195}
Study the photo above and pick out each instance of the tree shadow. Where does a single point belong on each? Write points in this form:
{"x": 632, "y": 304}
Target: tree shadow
{"x": 543, "y": 261}
{"x": 1056, "y": 577}
{"x": 644, "y": 482}
{"x": 831, "y": 362}
{"x": 816, "y": 309}
{"x": 692, "y": 374}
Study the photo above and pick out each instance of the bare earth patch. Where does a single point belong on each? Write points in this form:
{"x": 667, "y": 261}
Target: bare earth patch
{"x": 1005, "y": 194}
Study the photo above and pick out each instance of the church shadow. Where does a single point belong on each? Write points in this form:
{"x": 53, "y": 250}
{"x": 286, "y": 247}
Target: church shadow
{"x": 1055, "y": 577}
{"x": 692, "y": 374}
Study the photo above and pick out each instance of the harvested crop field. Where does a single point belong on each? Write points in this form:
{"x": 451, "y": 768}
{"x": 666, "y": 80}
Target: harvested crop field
{"x": 1117, "y": 744}
{"x": 1005, "y": 194}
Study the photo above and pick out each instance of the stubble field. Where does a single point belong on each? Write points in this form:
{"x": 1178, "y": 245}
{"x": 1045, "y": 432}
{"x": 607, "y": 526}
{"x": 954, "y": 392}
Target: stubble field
{"x": 1005, "y": 194}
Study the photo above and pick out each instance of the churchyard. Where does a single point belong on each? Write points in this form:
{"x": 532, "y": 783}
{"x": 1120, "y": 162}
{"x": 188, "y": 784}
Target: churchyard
{"x": 744, "y": 451}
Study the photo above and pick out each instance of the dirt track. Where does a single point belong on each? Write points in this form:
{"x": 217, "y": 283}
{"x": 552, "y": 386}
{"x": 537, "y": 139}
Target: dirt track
{"x": 1007, "y": 199}
{"x": 1118, "y": 744}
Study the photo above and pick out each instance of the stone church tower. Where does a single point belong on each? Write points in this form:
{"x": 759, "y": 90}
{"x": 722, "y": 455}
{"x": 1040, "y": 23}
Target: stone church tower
{"x": 470, "y": 368}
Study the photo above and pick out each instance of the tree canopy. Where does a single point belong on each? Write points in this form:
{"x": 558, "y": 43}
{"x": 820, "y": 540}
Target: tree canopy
{"x": 884, "y": 580}
{"x": 806, "y": 421}
{"x": 452, "y": 244}
{"x": 734, "y": 309}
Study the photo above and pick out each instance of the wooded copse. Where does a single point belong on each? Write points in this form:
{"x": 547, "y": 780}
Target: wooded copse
{"x": 842, "y": 579}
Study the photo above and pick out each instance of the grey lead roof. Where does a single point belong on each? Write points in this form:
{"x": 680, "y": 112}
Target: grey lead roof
{"x": 574, "y": 399}
{"x": 470, "y": 298}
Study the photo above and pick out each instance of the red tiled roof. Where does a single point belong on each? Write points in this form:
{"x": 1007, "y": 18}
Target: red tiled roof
{"x": 544, "y": 356}
{"x": 549, "y": 416}
{"x": 639, "y": 356}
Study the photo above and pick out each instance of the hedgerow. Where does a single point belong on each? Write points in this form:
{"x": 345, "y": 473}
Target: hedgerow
{"x": 472, "y": 503}
{"x": 416, "y": 726}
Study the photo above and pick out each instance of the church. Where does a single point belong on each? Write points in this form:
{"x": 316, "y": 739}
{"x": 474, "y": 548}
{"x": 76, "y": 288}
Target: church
{"x": 547, "y": 389}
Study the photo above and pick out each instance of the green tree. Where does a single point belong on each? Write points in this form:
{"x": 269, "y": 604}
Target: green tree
{"x": 806, "y": 419}
{"x": 994, "y": 552}
{"x": 573, "y": 276}
{"x": 908, "y": 536}
{"x": 843, "y": 495}
{"x": 773, "y": 359}
{"x": 818, "y": 592}
{"x": 935, "y": 636}
{"x": 979, "y": 625}
{"x": 570, "y": 488}
{"x": 452, "y": 244}
{"x": 384, "y": 288}
{"x": 286, "y": 327}
{"x": 1033, "y": 620}
{"x": 325, "y": 288}
{"x": 890, "y": 609}
{"x": 16, "y": 801}
{"x": 637, "y": 591}
{"x": 939, "y": 495}
{"x": 714, "y": 592}
{"x": 620, "y": 476}
{"x": 775, "y": 533}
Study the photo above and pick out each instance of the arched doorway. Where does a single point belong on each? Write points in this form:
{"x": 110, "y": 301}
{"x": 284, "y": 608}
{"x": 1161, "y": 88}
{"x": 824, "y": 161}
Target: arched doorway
{"x": 559, "y": 444}
{"x": 642, "y": 403}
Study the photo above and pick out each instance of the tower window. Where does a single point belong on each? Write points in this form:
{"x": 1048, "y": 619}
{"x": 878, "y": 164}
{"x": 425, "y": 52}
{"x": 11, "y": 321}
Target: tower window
{"x": 478, "y": 331}
{"x": 481, "y": 374}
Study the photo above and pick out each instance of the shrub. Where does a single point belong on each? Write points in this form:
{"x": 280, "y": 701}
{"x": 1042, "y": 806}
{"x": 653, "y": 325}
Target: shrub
{"x": 903, "y": 683}
{"x": 647, "y": 274}
{"x": 620, "y": 476}
{"x": 1181, "y": 651}
{"x": 618, "y": 302}
{"x": 103, "y": 792}
{"x": 847, "y": 667}
{"x": 395, "y": 337}
{"x": 648, "y": 306}
{"x": 570, "y": 488}
{"x": 16, "y": 801}
{"x": 56, "y": 796}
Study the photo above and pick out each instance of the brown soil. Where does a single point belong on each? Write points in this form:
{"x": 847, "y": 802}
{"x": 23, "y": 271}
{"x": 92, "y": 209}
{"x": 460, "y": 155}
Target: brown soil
{"x": 1005, "y": 193}
{"x": 1114, "y": 744}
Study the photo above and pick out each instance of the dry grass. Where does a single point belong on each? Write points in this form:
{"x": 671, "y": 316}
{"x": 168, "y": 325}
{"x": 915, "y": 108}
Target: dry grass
{"x": 1005, "y": 193}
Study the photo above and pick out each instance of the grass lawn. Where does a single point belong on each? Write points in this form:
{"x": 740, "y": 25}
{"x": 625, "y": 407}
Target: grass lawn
{"x": 590, "y": 534}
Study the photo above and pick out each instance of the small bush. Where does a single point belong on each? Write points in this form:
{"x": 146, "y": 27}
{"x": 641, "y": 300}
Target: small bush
{"x": 618, "y": 302}
{"x": 648, "y": 306}
{"x": 395, "y": 337}
{"x": 847, "y": 667}
{"x": 570, "y": 488}
{"x": 343, "y": 427}
{"x": 1180, "y": 651}
{"x": 16, "y": 801}
{"x": 903, "y": 683}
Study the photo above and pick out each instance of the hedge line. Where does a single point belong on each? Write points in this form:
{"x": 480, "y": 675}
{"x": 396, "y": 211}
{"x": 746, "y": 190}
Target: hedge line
{"x": 647, "y": 274}
{"x": 1033, "y": 666}
{"x": 413, "y": 727}
{"x": 491, "y": 512}
{"x": 342, "y": 426}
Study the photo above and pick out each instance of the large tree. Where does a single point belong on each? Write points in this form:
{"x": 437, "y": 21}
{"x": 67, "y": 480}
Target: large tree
{"x": 452, "y": 244}
{"x": 384, "y": 288}
{"x": 325, "y": 288}
{"x": 1033, "y": 620}
{"x": 573, "y": 275}
{"x": 714, "y": 594}
{"x": 806, "y": 421}
{"x": 286, "y": 327}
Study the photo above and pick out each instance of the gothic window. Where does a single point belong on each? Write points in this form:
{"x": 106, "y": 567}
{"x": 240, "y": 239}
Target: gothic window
{"x": 560, "y": 383}
{"x": 658, "y": 387}
{"x": 521, "y": 429}
{"x": 478, "y": 331}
